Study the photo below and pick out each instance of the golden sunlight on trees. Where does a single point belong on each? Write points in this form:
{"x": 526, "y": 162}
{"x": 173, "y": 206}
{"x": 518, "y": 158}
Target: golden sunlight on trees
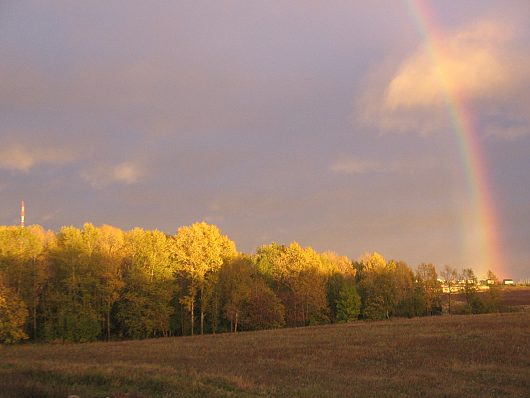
{"x": 200, "y": 250}
{"x": 23, "y": 256}
{"x": 102, "y": 283}
{"x": 299, "y": 279}
{"x": 148, "y": 276}
{"x": 13, "y": 314}
{"x": 450, "y": 276}
{"x": 432, "y": 290}
{"x": 376, "y": 286}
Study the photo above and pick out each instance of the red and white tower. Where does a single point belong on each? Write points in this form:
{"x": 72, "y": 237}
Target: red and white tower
{"x": 22, "y": 214}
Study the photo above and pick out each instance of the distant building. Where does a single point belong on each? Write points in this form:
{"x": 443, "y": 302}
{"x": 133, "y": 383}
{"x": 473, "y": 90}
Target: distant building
{"x": 485, "y": 284}
{"x": 508, "y": 282}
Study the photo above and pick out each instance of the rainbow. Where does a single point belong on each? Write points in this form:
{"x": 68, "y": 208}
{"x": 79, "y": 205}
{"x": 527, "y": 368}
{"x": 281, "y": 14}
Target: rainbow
{"x": 482, "y": 245}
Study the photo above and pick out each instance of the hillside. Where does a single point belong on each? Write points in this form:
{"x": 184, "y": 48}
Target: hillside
{"x": 478, "y": 355}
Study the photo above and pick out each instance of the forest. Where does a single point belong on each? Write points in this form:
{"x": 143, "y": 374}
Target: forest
{"x": 103, "y": 283}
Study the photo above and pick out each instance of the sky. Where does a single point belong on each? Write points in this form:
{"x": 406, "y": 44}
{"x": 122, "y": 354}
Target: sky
{"x": 310, "y": 121}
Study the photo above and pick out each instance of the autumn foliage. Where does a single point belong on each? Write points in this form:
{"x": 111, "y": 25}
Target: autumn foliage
{"x": 102, "y": 283}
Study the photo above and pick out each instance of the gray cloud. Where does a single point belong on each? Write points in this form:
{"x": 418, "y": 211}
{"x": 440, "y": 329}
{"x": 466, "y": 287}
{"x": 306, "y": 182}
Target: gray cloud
{"x": 20, "y": 158}
{"x": 102, "y": 176}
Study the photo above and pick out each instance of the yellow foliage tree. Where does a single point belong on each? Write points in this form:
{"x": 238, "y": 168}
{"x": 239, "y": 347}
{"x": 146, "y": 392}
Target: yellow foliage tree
{"x": 198, "y": 250}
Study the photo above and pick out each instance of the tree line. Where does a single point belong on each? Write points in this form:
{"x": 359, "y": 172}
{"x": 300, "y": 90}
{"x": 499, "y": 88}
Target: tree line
{"x": 102, "y": 283}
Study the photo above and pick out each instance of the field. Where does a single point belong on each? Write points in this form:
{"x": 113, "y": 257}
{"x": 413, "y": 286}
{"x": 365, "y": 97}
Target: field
{"x": 476, "y": 355}
{"x": 516, "y": 296}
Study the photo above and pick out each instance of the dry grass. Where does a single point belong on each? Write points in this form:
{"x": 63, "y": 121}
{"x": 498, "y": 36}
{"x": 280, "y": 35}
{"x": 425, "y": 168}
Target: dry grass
{"x": 515, "y": 296}
{"x": 480, "y": 355}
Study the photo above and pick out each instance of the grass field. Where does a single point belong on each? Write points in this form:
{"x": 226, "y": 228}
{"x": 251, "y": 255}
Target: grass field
{"x": 476, "y": 355}
{"x": 515, "y": 296}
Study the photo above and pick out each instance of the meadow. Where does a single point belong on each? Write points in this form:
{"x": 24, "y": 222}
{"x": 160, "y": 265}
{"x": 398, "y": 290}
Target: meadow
{"x": 450, "y": 356}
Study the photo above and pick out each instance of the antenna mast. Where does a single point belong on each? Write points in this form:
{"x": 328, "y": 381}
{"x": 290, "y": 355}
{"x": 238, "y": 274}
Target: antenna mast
{"x": 22, "y": 214}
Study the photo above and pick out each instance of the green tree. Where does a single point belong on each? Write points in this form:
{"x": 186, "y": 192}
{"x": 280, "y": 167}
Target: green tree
{"x": 377, "y": 286}
{"x": 13, "y": 315}
{"x": 72, "y": 308}
{"x": 348, "y": 304}
{"x": 341, "y": 273}
{"x": 336, "y": 282}
{"x": 145, "y": 305}
{"x": 492, "y": 298}
{"x": 475, "y": 303}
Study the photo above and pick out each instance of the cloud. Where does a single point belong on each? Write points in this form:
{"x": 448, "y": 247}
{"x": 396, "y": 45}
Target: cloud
{"x": 124, "y": 173}
{"x": 484, "y": 65}
{"x": 20, "y": 158}
{"x": 468, "y": 64}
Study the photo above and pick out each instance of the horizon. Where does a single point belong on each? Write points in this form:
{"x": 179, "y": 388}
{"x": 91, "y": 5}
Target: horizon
{"x": 358, "y": 258}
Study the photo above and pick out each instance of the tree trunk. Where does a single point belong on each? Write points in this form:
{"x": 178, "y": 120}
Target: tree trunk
{"x": 235, "y": 325}
{"x": 34, "y": 322}
{"x": 108, "y": 321}
{"x": 182, "y": 319}
{"x": 449, "y": 299}
{"x": 202, "y": 309}
{"x": 192, "y": 306}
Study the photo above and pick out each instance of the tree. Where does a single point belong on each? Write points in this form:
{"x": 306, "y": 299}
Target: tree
{"x": 299, "y": 279}
{"x": 492, "y": 298}
{"x": 341, "y": 273}
{"x": 236, "y": 285}
{"x": 450, "y": 276}
{"x": 409, "y": 294}
{"x": 264, "y": 310}
{"x": 377, "y": 286}
{"x": 474, "y": 302}
{"x": 427, "y": 278}
{"x": 13, "y": 315}
{"x": 200, "y": 249}
{"x": 348, "y": 304}
{"x": 332, "y": 263}
{"x": 145, "y": 305}
{"x": 23, "y": 263}
{"x": 335, "y": 284}
{"x": 492, "y": 277}
{"x": 372, "y": 262}
{"x": 470, "y": 284}
{"x": 111, "y": 244}
{"x": 73, "y": 310}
